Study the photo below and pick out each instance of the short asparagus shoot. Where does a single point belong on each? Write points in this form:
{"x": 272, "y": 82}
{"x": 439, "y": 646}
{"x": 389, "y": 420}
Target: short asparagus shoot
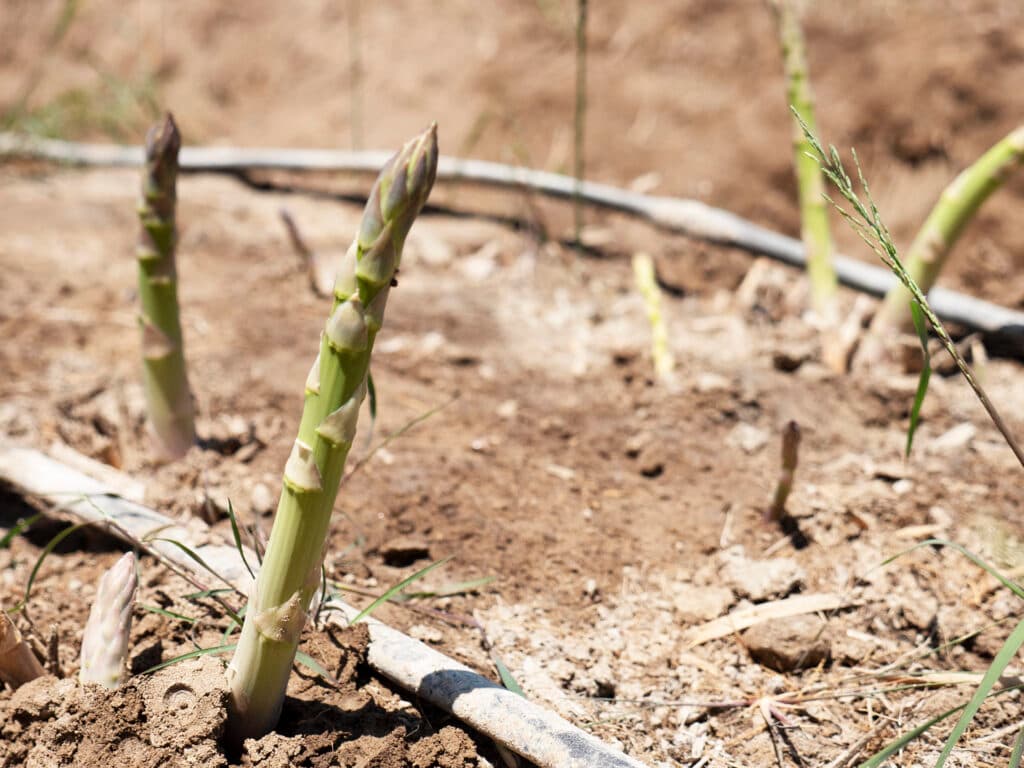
{"x": 105, "y": 642}
{"x": 647, "y": 284}
{"x": 290, "y": 574}
{"x": 814, "y": 227}
{"x": 944, "y": 225}
{"x": 18, "y": 664}
{"x": 790, "y": 449}
{"x": 168, "y": 398}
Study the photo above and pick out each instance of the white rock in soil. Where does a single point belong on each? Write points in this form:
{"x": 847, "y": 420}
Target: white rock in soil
{"x": 426, "y": 634}
{"x": 748, "y": 437}
{"x": 694, "y": 604}
{"x": 956, "y": 439}
{"x": 761, "y": 580}
{"x": 262, "y": 499}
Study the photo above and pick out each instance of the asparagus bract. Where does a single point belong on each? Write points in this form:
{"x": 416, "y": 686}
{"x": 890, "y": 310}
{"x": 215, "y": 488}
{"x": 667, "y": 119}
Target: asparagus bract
{"x": 278, "y": 606}
{"x": 18, "y": 664}
{"x": 168, "y": 399}
{"x": 106, "y": 638}
{"x": 944, "y": 225}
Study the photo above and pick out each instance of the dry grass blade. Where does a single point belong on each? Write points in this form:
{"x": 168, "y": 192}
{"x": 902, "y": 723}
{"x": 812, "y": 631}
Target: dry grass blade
{"x": 744, "y": 618}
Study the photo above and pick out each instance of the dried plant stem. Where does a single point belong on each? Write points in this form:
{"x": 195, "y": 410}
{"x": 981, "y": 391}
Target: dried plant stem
{"x": 790, "y": 449}
{"x": 647, "y": 284}
{"x": 168, "y": 399}
{"x": 867, "y": 221}
{"x": 18, "y": 665}
{"x": 814, "y": 227}
{"x": 944, "y": 225}
{"x": 290, "y": 573}
{"x": 579, "y": 118}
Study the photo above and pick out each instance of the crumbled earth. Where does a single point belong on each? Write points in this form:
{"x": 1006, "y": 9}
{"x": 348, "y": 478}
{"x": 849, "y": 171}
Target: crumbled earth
{"x": 596, "y": 518}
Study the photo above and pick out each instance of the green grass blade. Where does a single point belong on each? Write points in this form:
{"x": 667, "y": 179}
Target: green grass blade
{"x": 317, "y": 668}
{"x": 1018, "y": 750}
{"x": 50, "y": 546}
{"x": 506, "y": 676}
{"x": 194, "y": 556}
{"x": 21, "y": 526}
{"x": 190, "y": 655}
{"x": 238, "y": 538}
{"x": 926, "y": 373}
{"x": 396, "y": 589}
{"x": 448, "y": 590}
{"x": 371, "y": 397}
{"x": 210, "y": 593}
{"x": 168, "y": 614}
{"x": 877, "y": 759}
{"x": 999, "y": 663}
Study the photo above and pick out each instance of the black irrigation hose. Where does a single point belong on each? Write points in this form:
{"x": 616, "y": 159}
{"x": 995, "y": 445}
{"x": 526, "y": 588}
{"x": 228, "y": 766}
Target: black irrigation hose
{"x": 688, "y": 217}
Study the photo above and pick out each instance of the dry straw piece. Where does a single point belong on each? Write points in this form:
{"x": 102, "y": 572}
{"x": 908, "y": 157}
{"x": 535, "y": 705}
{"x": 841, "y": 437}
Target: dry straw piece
{"x": 18, "y": 665}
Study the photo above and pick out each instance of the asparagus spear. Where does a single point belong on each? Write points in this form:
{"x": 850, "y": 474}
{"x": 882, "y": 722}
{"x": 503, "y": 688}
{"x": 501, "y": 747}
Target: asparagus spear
{"x": 814, "y": 228}
{"x": 790, "y": 446}
{"x": 168, "y": 399}
{"x": 278, "y": 606}
{"x": 106, "y": 637}
{"x": 947, "y": 220}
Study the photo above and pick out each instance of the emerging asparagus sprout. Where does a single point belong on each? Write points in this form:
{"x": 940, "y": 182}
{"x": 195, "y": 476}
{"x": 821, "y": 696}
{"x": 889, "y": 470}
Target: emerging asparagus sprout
{"x": 107, "y": 632}
{"x": 647, "y": 284}
{"x": 814, "y": 227}
{"x": 168, "y": 399}
{"x": 18, "y": 665}
{"x": 944, "y": 225}
{"x": 290, "y": 574}
{"x": 790, "y": 447}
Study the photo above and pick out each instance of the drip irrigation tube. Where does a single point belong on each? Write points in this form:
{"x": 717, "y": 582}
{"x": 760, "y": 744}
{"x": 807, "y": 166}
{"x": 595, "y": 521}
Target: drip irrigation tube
{"x": 529, "y": 730}
{"x": 688, "y": 217}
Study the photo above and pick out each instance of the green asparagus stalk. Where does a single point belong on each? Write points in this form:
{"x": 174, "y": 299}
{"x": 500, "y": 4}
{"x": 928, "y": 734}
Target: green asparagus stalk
{"x": 278, "y": 606}
{"x": 18, "y": 665}
{"x": 168, "y": 399}
{"x": 647, "y": 284}
{"x": 944, "y": 225}
{"x": 814, "y": 227}
{"x": 579, "y": 118}
{"x": 107, "y": 632}
{"x": 790, "y": 446}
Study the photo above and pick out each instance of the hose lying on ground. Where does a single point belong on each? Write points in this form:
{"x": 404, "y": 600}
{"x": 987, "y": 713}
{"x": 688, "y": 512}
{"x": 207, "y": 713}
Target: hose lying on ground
{"x": 688, "y": 217}
{"x": 525, "y": 728}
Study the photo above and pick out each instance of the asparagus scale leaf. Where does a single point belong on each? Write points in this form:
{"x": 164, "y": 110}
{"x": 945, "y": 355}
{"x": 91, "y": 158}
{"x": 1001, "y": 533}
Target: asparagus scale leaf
{"x": 335, "y": 388}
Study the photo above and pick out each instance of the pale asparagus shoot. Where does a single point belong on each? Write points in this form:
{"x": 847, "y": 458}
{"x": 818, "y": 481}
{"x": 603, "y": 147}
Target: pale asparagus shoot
{"x": 647, "y": 284}
{"x": 944, "y": 225}
{"x": 790, "y": 447}
{"x": 168, "y": 399}
{"x": 814, "y": 227}
{"x": 18, "y": 665}
{"x": 105, "y": 642}
{"x": 279, "y": 603}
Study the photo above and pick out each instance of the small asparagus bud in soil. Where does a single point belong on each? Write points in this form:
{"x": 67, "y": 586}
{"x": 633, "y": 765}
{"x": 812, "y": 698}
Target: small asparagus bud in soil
{"x": 647, "y": 284}
{"x": 790, "y": 444}
{"x": 106, "y": 637}
{"x": 814, "y": 226}
{"x": 168, "y": 399}
{"x": 944, "y": 225}
{"x": 18, "y": 664}
{"x": 335, "y": 387}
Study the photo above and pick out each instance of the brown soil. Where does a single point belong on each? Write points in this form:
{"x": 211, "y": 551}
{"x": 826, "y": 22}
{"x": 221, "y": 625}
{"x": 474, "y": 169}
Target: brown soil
{"x": 616, "y": 513}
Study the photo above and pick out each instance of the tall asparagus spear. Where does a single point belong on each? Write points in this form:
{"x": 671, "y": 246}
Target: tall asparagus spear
{"x": 947, "y": 220}
{"x": 814, "y": 227}
{"x": 168, "y": 399}
{"x": 259, "y": 671}
{"x": 105, "y": 641}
